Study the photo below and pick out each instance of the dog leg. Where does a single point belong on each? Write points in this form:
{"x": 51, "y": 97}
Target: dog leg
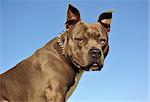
{"x": 54, "y": 93}
{"x": 4, "y": 101}
{"x": 53, "y": 96}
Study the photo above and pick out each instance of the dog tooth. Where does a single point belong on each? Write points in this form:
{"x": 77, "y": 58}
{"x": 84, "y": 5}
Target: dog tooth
{"x": 78, "y": 66}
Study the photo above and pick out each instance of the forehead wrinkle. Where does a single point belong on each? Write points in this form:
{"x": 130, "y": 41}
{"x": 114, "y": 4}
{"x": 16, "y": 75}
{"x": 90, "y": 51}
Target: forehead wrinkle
{"x": 96, "y": 30}
{"x": 81, "y": 28}
{"x": 91, "y": 34}
{"x": 93, "y": 30}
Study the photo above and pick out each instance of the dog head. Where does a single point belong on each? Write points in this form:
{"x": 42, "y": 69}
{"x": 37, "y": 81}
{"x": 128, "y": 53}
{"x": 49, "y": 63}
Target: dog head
{"x": 86, "y": 44}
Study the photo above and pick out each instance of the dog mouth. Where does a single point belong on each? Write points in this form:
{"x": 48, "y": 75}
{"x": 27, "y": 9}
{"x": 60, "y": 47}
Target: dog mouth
{"x": 91, "y": 67}
{"x": 94, "y": 67}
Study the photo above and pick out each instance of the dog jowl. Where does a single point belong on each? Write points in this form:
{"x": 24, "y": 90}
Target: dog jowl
{"x": 52, "y": 73}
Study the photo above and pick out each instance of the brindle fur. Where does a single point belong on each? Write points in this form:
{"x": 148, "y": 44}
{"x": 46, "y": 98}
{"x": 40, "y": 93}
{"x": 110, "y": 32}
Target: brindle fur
{"x": 52, "y": 73}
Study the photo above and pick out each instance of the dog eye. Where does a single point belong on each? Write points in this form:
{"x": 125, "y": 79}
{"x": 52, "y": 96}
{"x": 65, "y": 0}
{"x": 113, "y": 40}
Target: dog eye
{"x": 102, "y": 41}
{"x": 80, "y": 40}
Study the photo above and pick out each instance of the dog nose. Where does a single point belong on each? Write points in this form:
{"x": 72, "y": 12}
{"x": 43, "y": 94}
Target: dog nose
{"x": 95, "y": 53}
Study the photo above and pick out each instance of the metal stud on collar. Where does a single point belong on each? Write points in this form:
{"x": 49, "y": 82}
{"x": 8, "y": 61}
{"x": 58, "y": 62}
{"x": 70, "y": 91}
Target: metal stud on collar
{"x": 60, "y": 43}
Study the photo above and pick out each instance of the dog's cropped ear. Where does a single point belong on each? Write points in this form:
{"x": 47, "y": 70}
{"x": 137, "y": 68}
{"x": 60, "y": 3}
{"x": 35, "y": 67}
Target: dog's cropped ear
{"x": 73, "y": 16}
{"x": 105, "y": 19}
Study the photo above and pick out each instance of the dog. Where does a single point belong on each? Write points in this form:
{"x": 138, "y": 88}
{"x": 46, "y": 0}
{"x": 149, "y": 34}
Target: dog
{"x": 52, "y": 73}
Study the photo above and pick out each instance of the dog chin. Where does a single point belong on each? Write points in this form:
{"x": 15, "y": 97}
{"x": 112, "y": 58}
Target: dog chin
{"x": 94, "y": 67}
{"x": 91, "y": 67}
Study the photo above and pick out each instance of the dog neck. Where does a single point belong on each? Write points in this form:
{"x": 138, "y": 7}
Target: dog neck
{"x": 78, "y": 71}
{"x": 61, "y": 39}
{"x": 60, "y": 43}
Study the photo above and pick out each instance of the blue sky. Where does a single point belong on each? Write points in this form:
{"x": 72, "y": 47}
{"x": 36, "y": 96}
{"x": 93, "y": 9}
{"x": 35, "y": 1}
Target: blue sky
{"x": 27, "y": 25}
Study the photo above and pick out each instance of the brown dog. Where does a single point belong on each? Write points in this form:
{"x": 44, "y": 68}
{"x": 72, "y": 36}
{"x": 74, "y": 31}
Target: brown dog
{"x": 52, "y": 72}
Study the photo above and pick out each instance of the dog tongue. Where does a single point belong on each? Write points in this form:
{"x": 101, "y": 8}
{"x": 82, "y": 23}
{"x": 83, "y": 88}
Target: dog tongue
{"x": 95, "y": 65}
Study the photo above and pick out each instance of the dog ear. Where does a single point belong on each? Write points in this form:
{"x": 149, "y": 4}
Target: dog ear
{"x": 73, "y": 16}
{"x": 105, "y": 19}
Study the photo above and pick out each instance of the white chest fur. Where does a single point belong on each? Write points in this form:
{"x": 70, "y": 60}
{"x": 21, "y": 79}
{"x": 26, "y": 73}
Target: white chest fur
{"x": 77, "y": 78}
